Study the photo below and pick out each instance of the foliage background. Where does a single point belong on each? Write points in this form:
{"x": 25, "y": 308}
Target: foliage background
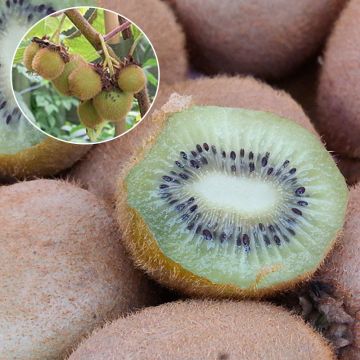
{"x": 56, "y": 114}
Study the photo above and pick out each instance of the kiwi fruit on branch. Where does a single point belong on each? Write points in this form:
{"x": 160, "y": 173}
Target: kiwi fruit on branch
{"x": 101, "y": 167}
{"x": 230, "y": 202}
{"x": 338, "y": 102}
{"x": 24, "y": 151}
{"x": 131, "y": 79}
{"x": 158, "y": 22}
{"x": 206, "y": 330}
{"x": 63, "y": 270}
{"x": 269, "y": 39}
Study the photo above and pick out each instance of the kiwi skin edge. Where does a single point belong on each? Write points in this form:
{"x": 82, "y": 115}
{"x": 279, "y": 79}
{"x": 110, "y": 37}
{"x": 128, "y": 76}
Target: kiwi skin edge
{"x": 48, "y": 157}
{"x": 147, "y": 255}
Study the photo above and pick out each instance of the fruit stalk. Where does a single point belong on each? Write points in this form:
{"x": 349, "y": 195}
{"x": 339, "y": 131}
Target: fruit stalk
{"x": 117, "y": 30}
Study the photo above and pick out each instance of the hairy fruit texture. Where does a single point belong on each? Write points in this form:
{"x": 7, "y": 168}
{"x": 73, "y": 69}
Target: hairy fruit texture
{"x": 204, "y": 330}
{"x": 84, "y": 82}
{"x": 29, "y": 54}
{"x": 184, "y": 211}
{"x": 113, "y": 105}
{"x": 338, "y": 100}
{"x": 341, "y": 270}
{"x": 63, "y": 270}
{"x": 61, "y": 83}
{"x": 88, "y": 115}
{"x": 132, "y": 79}
{"x": 48, "y": 64}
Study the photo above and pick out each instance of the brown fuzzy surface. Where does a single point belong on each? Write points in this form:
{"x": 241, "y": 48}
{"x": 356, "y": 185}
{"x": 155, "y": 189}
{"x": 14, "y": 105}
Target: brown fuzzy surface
{"x": 350, "y": 168}
{"x": 44, "y": 159}
{"x": 266, "y": 38}
{"x": 205, "y": 330}
{"x": 342, "y": 270}
{"x": 339, "y": 90}
{"x": 63, "y": 270}
{"x": 158, "y": 22}
{"x": 100, "y": 168}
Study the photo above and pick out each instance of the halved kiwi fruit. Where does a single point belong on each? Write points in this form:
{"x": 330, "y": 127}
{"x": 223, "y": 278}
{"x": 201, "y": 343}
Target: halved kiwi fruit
{"x": 205, "y": 330}
{"x": 339, "y": 88}
{"x": 63, "y": 270}
{"x": 230, "y": 202}
{"x": 24, "y": 151}
{"x": 269, "y": 39}
{"x": 102, "y": 166}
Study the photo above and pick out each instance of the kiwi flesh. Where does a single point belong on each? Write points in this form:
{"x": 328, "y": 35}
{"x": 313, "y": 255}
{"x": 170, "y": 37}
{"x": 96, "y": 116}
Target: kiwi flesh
{"x": 158, "y": 22}
{"x": 342, "y": 269}
{"x": 84, "y": 82}
{"x": 105, "y": 162}
{"x": 132, "y": 79}
{"x": 228, "y": 202}
{"x": 25, "y": 152}
{"x": 113, "y": 105}
{"x": 63, "y": 270}
{"x": 209, "y": 330}
{"x": 61, "y": 83}
{"x": 266, "y": 39}
{"x": 338, "y": 103}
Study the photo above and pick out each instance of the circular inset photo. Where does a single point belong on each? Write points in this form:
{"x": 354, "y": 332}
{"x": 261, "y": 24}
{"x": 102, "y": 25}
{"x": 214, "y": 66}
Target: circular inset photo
{"x": 85, "y": 75}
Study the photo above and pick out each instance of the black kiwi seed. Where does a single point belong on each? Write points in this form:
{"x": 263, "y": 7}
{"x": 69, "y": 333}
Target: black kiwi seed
{"x": 191, "y": 164}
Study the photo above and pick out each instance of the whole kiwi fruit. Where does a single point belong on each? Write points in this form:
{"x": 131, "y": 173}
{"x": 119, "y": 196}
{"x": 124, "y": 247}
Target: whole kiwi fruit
{"x": 132, "y": 79}
{"x": 29, "y": 54}
{"x": 88, "y": 115}
{"x": 205, "y": 330}
{"x": 62, "y": 269}
{"x": 200, "y": 212}
{"x": 158, "y": 22}
{"x": 48, "y": 63}
{"x": 111, "y": 158}
{"x": 350, "y": 168}
{"x": 338, "y": 99}
{"x": 342, "y": 269}
{"x": 266, "y": 39}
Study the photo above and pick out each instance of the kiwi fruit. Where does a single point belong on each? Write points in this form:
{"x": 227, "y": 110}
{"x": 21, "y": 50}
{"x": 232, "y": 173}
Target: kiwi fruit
{"x": 258, "y": 38}
{"x": 84, "y": 82}
{"x": 350, "y": 168}
{"x": 200, "y": 211}
{"x": 338, "y": 99}
{"x": 101, "y": 166}
{"x": 48, "y": 63}
{"x": 29, "y": 54}
{"x": 342, "y": 269}
{"x": 158, "y": 22}
{"x": 206, "y": 330}
{"x": 71, "y": 271}
{"x": 25, "y": 152}
{"x": 61, "y": 83}
{"x": 88, "y": 115}
{"x": 131, "y": 79}
{"x": 113, "y": 105}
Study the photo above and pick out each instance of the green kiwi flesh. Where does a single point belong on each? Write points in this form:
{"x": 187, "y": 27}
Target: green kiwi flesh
{"x": 230, "y": 193}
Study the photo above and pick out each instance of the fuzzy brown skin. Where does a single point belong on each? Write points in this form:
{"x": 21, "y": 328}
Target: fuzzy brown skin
{"x": 266, "y": 38}
{"x": 62, "y": 269}
{"x": 158, "y": 22}
{"x": 339, "y": 90}
{"x": 350, "y": 168}
{"x": 29, "y": 53}
{"x": 99, "y": 170}
{"x": 48, "y": 64}
{"x": 205, "y": 330}
{"x": 342, "y": 270}
{"x": 44, "y": 159}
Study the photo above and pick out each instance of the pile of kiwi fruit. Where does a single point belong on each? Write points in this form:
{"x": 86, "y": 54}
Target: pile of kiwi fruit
{"x": 225, "y": 225}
